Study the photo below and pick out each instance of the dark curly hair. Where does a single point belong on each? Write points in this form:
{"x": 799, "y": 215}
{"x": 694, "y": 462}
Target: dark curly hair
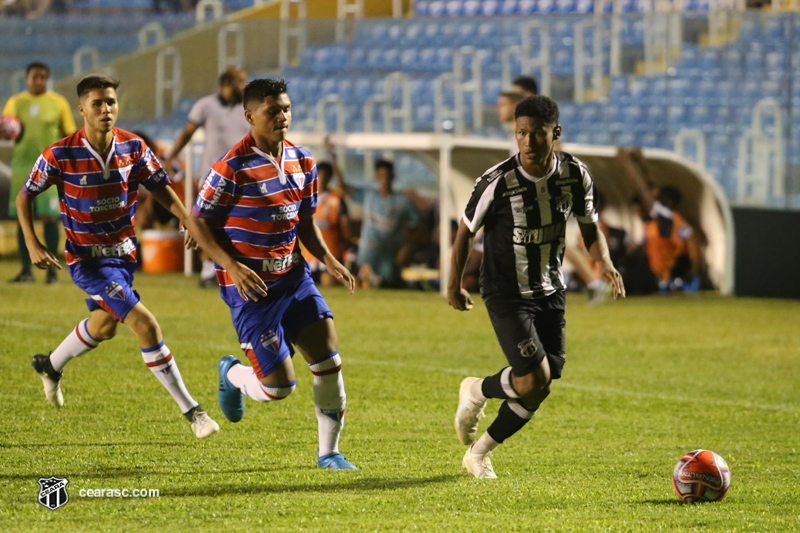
{"x": 540, "y": 107}
{"x": 258, "y": 90}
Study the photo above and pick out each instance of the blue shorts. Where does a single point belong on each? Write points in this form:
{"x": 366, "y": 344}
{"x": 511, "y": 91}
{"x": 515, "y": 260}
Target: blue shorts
{"x": 268, "y": 328}
{"x": 109, "y": 287}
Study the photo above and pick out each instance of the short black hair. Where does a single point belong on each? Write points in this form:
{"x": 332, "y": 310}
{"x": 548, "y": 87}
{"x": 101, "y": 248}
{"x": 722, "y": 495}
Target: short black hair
{"x": 514, "y": 96}
{"x": 670, "y": 194}
{"x": 528, "y": 84}
{"x": 91, "y": 82}
{"x": 37, "y": 64}
{"x": 258, "y": 90}
{"x": 538, "y": 107}
{"x": 325, "y": 168}
{"x": 386, "y": 164}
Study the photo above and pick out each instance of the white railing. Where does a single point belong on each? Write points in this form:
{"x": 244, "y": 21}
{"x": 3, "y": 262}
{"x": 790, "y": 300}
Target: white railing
{"x": 762, "y": 164}
{"x": 341, "y": 113}
{"x": 82, "y": 54}
{"x": 204, "y": 6}
{"x": 594, "y": 62}
{"x": 293, "y": 31}
{"x": 151, "y": 29}
{"x": 529, "y": 61}
{"x": 225, "y": 58}
{"x": 390, "y": 113}
{"x": 168, "y": 79}
{"x": 696, "y": 137}
{"x": 473, "y": 84}
{"x": 347, "y": 13}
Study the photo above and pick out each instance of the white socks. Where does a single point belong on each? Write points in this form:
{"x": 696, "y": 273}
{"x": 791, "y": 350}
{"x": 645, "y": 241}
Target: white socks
{"x": 476, "y": 391}
{"x": 329, "y": 401}
{"x": 484, "y": 445}
{"x": 160, "y": 361}
{"x": 77, "y": 343}
{"x": 244, "y": 378}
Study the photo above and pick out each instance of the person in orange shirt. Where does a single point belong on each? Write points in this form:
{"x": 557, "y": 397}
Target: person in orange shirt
{"x": 671, "y": 246}
{"x": 331, "y": 218}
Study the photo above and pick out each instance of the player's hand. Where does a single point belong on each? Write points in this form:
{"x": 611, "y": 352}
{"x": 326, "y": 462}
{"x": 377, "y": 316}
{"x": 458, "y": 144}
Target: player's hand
{"x": 42, "y": 258}
{"x": 340, "y": 272}
{"x": 247, "y": 282}
{"x": 188, "y": 241}
{"x": 459, "y": 299}
{"x": 612, "y": 276}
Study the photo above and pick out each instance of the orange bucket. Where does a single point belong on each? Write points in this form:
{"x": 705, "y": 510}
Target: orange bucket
{"x": 162, "y": 251}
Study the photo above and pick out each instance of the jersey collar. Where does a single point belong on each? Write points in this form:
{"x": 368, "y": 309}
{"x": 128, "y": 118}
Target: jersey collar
{"x": 534, "y": 178}
{"x": 277, "y": 164}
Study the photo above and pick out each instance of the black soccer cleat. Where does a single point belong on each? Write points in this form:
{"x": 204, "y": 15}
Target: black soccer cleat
{"x": 50, "y": 379}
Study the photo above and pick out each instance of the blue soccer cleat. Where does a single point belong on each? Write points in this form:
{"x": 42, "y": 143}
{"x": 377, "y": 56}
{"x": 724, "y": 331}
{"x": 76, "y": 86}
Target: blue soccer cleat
{"x": 231, "y": 402}
{"x": 335, "y": 461}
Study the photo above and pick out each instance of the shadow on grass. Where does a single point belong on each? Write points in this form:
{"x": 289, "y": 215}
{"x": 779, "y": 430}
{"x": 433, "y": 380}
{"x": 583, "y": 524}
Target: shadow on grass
{"x": 356, "y": 485}
{"x": 671, "y": 501}
{"x": 116, "y": 473}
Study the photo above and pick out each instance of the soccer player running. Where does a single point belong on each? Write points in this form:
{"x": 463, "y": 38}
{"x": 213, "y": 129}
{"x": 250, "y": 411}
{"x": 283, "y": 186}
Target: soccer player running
{"x": 523, "y": 204}
{"x": 255, "y": 207}
{"x": 97, "y": 171}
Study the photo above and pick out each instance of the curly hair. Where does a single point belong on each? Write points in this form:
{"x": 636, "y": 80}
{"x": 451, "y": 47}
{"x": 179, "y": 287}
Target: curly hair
{"x": 540, "y": 107}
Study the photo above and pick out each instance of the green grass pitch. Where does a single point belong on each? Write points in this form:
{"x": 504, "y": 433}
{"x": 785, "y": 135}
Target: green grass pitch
{"x": 646, "y": 381}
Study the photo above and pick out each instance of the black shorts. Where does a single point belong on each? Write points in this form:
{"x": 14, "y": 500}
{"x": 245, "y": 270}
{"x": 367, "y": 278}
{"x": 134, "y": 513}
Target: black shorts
{"x": 529, "y": 329}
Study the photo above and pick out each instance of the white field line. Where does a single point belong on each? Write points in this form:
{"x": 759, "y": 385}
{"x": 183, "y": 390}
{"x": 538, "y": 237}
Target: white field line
{"x": 591, "y": 388}
{"x": 465, "y": 372}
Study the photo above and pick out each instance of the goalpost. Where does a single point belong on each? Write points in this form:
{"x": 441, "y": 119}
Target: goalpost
{"x": 459, "y": 161}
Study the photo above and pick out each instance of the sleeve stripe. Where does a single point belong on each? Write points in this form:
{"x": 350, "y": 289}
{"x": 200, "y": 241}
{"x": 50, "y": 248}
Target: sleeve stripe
{"x": 481, "y": 207}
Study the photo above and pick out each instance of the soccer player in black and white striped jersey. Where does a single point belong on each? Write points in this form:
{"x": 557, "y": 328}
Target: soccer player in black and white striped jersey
{"x": 523, "y": 205}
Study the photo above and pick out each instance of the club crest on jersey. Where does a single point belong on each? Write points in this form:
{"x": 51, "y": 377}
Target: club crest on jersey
{"x": 564, "y": 204}
{"x": 115, "y": 291}
{"x": 124, "y": 172}
{"x": 269, "y": 340}
{"x": 527, "y": 348}
{"x": 53, "y": 492}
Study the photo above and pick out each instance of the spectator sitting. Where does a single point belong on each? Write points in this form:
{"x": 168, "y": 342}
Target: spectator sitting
{"x": 388, "y": 217}
{"x": 151, "y": 214}
{"x": 670, "y": 246}
{"x": 331, "y": 218}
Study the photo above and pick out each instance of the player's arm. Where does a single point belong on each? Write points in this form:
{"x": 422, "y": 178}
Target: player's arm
{"x": 311, "y": 238}
{"x": 169, "y": 199}
{"x": 337, "y": 172}
{"x": 247, "y": 282}
{"x": 640, "y": 183}
{"x": 180, "y": 143}
{"x": 596, "y": 243}
{"x": 457, "y": 296}
{"x": 40, "y": 255}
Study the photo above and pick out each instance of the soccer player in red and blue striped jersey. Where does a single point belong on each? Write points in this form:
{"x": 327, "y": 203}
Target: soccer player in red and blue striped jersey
{"x": 97, "y": 172}
{"x": 255, "y": 207}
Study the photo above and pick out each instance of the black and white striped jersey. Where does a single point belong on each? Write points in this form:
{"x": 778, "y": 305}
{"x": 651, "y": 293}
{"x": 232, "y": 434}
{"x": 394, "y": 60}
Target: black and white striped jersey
{"x": 524, "y": 220}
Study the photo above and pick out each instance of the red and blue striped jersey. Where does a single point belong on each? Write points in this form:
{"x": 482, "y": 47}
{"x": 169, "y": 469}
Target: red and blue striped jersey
{"x": 97, "y": 194}
{"x": 252, "y": 202}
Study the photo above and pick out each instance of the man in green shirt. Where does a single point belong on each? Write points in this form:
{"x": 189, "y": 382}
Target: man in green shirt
{"x": 46, "y": 118}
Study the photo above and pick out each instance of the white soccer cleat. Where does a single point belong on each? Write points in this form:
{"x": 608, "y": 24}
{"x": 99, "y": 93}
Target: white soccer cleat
{"x": 203, "y": 425}
{"x": 479, "y": 465}
{"x": 50, "y": 379}
{"x": 469, "y": 412}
